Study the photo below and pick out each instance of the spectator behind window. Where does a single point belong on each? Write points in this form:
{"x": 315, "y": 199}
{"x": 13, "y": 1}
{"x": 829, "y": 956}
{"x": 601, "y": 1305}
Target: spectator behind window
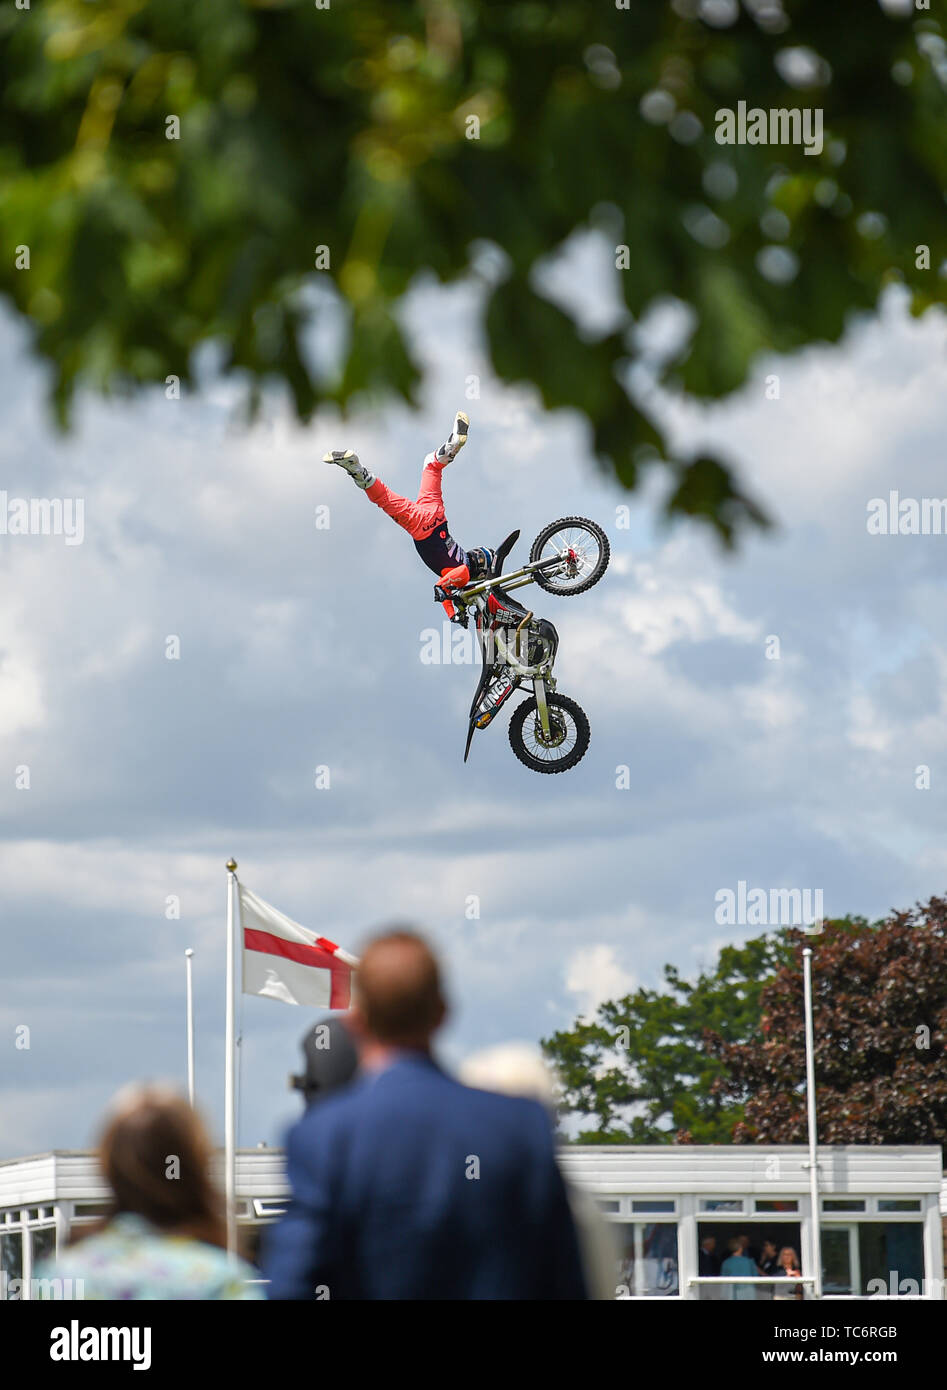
{"x": 768, "y": 1263}
{"x": 788, "y": 1268}
{"x": 738, "y": 1263}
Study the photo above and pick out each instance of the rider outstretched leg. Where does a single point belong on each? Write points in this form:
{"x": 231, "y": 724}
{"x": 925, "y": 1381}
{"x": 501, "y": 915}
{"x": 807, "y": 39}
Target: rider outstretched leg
{"x": 424, "y": 519}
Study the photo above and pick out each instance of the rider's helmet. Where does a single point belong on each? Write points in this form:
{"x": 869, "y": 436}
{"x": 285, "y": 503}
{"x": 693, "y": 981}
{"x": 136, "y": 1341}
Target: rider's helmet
{"x": 480, "y": 562}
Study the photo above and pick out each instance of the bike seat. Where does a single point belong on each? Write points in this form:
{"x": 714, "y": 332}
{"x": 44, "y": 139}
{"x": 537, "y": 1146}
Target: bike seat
{"x": 504, "y": 550}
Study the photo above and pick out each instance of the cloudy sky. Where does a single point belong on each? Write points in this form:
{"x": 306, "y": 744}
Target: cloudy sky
{"x": 301, "y": 647}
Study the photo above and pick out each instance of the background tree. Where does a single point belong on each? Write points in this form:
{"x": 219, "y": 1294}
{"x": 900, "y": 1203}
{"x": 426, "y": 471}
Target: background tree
{"x": 880, "y": 1023}
{"x": 641, "y": 1069}
{"x": 176, "y": 173}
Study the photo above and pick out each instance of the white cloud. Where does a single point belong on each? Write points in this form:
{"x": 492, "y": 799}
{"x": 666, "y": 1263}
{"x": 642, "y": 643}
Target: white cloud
{"x": 593, "y": 974}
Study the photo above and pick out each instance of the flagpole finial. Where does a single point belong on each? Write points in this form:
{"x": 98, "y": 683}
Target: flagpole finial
{"x": 231, "y": 866}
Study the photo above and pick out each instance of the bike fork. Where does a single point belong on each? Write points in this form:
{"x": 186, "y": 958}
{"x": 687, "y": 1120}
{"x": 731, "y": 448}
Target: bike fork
{"x": 539, "y": 690}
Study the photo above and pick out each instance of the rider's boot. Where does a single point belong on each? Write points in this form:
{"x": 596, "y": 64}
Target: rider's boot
{"x": 455, "y": 441}
{"x": 346, "y": 459}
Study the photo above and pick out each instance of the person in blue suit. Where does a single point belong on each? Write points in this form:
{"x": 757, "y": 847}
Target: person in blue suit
{"x": 407, "y": 1184}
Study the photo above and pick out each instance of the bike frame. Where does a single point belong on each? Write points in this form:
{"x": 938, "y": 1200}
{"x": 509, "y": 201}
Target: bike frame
{"x": 506, "y": 667}
{"x": 508, "y": 655}
{"x": 475, "y": 596}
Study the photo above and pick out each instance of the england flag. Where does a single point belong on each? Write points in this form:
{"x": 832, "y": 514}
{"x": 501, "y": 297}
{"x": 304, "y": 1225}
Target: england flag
{"x": 284, "y": 961}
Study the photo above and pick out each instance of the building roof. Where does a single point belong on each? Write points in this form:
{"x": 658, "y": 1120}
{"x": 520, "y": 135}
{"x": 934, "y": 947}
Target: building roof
{"x": 709, "y": 1170}
{"x": 757, "y": 1169}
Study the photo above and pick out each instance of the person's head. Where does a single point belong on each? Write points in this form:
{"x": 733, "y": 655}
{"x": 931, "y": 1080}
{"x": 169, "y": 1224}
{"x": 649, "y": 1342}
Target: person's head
{"x": 735, "y": 1245}
{"x": 788, "y": 1258}
{"x": 331, "y": 1059}
{"x": 769, "y": 1250}
{"x": 709, "y": 1243}
{"x": 479, "y": 561}
{"x": 155, "y": 1155}
{"x": 398, "y": 1001}
{"x": 744, "y": 1243}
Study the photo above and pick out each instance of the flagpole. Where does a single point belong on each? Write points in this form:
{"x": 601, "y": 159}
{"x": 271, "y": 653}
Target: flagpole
{"x": 230, "y": 1106}
{"x": 813, "y": 1134}
{"x": 189, "y": 1008}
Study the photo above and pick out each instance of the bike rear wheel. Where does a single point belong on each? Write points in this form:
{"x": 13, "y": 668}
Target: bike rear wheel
{"x": 569, "y": 735}
{"x": 581, "y": 546}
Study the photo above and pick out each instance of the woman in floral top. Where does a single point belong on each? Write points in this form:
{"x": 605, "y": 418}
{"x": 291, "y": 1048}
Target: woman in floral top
{"x": 166, "y": 1235}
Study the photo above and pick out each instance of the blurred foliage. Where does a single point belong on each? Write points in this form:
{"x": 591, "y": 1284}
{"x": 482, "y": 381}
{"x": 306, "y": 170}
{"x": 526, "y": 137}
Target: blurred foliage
{"x": 642, "y": 1070}
{"x": 347, "y": 127}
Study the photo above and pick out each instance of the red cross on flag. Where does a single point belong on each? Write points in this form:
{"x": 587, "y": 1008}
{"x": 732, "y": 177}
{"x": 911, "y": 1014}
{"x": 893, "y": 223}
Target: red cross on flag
{"x": 284, "y": 961}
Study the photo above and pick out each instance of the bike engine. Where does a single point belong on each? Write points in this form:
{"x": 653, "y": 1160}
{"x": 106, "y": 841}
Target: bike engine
{"x": 543, "y": 642}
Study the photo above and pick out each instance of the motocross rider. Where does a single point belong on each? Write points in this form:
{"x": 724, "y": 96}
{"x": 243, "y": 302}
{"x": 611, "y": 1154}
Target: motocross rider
{"x": 424, "y": 520}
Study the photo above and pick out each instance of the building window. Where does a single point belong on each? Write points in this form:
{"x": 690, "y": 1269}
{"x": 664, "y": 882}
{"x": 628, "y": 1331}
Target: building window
{"x": 44, "y": 1244}
{"x": 838, "y": 1259}
{"x": 249, "y": 1241}
{"x": 269, "y": 1207}
{"x": 786, "y": 1204}
{"x": 899, "y": 1204}
{"x": 721, "y": 1204}
{"x": 842, "y": 1204}
{"x": 11, "y": 1259}
{"x": 873, "y": 1257}
{"x": 87, "y": 1211}
{"x": 891, "y": 1255}
{"x": 654, "y": 1208}
{"x": 647, "y": 1265}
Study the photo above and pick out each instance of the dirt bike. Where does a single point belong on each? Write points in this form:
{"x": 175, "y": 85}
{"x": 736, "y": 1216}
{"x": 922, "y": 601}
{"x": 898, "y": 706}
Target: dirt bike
{"x": 548, "y": 732}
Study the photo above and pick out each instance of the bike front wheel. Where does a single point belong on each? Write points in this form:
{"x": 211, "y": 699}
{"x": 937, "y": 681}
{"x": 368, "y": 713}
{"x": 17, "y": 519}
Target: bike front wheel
{"x": 583, "y": 552}
{"x": 568, "y": 739}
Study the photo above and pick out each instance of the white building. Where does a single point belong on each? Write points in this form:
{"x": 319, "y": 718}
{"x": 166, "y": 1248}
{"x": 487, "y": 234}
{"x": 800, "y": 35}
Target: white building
{"x": 880, "y": 1210}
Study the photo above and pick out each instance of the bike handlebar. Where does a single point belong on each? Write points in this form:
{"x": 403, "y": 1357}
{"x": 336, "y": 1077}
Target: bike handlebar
{"x": 515, "y": 579}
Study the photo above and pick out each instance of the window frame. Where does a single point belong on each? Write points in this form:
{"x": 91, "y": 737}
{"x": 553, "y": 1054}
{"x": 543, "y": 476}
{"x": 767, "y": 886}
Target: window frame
{"x": 637, "y": 1225}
